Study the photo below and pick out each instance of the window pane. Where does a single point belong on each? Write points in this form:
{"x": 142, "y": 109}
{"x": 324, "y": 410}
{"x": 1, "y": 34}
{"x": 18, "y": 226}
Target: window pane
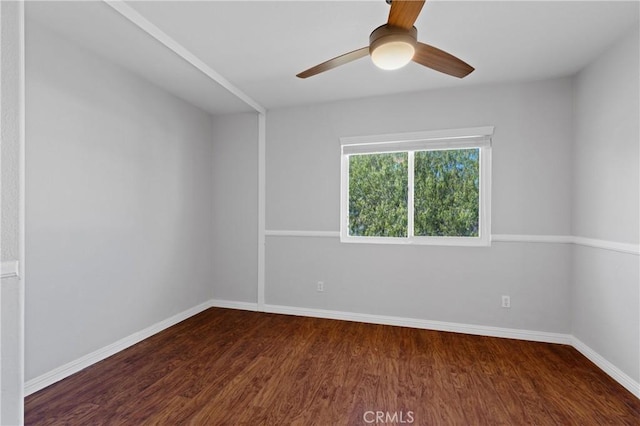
{"x": 446, "y": 193}
{"x": 378, "y": 195}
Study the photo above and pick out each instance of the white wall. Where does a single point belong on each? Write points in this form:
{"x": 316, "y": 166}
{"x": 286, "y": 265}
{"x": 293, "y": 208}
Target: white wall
{"x": 531, "y": 195}
{"x": 235, "y": 197}
{"x": 119, "y": 203}
{"x": 606, "y": 153}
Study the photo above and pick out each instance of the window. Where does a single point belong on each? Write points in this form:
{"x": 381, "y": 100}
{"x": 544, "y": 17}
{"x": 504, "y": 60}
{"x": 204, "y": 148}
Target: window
{"x": 421, "y": 188}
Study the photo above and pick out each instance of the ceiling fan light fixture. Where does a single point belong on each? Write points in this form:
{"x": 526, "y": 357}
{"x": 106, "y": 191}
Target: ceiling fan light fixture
{"x": 392, "y": 48}
{"x": 393, "y": 55}
{"x": 395, "y": 44}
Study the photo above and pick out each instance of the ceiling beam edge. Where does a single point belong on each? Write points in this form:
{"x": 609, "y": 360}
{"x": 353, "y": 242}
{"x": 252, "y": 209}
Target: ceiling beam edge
{"x": 147, "y": 26}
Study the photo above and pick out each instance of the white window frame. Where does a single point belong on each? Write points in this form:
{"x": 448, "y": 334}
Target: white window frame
{"x": 475, "y": 137}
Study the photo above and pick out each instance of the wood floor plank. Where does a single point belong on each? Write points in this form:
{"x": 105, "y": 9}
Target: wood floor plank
{"x": 230, "y": 367}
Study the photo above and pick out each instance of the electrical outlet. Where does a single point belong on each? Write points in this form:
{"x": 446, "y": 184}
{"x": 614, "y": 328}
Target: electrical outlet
{"x": 506, "y": 301}
{"x": 320, "y": 286}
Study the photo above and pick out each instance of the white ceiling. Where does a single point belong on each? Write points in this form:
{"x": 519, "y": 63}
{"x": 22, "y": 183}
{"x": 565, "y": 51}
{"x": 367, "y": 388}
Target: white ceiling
{"x": 260, "y": 46}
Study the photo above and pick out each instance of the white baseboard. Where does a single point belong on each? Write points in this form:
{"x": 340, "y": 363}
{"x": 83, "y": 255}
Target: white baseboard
{"x": 479, "y": 330}
{"x": 245, "y": 306}
{"x": 72, "y": 367}
{"x": 613, "y": 371}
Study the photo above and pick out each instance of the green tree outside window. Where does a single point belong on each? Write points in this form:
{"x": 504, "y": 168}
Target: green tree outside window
{"x": 378, "y": 189}
{"x": 446, "y": 193}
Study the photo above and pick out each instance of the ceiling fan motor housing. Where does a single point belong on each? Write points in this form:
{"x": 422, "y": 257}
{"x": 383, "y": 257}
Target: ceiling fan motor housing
{"x": 395, "y": 46}
{"x": 386, "y": 34}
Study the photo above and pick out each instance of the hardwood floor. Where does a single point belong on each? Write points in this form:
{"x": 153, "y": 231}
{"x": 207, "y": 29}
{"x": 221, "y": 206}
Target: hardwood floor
{"x": 228, "y": 367}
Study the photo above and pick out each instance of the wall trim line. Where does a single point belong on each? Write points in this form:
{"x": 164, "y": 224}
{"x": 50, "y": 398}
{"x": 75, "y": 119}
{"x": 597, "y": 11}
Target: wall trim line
{"x": 89, "y": 359}
{"x": 292, "y": 233}
{"x": 608, "y": 245}
{"x": 495, "y": 238}
{"x": 262, "y": 196}
{"x": 10, "y": 269}
{"x": 525, "y": 238}
{"x": 22, "y": 197}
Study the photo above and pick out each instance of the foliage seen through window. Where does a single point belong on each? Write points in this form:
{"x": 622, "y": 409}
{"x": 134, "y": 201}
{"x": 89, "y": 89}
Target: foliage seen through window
{"x": 446, "y": 193}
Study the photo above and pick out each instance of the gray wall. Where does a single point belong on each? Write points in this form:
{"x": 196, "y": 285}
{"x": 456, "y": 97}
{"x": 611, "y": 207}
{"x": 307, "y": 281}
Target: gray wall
{"x": 235, "y": 197}
{"x": 531, "y": 195}
{"x": 10, "y": 131}
{"x": 531, "y": 154}
{"x": 11, "y": 341}
{"x": 605, "y": 288}
{"x": 119, "y": 203}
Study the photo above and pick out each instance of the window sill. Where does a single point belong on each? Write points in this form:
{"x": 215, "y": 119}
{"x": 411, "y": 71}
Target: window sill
{"x": 421, "y": 241}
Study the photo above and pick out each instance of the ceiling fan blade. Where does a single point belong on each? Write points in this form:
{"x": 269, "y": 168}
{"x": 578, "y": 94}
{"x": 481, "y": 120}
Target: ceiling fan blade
{"x": 403, "y": 13}
{"x": 440, "y": 60}
{"x": 335, "y": 62}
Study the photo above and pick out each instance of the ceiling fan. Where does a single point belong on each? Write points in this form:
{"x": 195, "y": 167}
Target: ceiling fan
{"x": 394, "y": 44}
